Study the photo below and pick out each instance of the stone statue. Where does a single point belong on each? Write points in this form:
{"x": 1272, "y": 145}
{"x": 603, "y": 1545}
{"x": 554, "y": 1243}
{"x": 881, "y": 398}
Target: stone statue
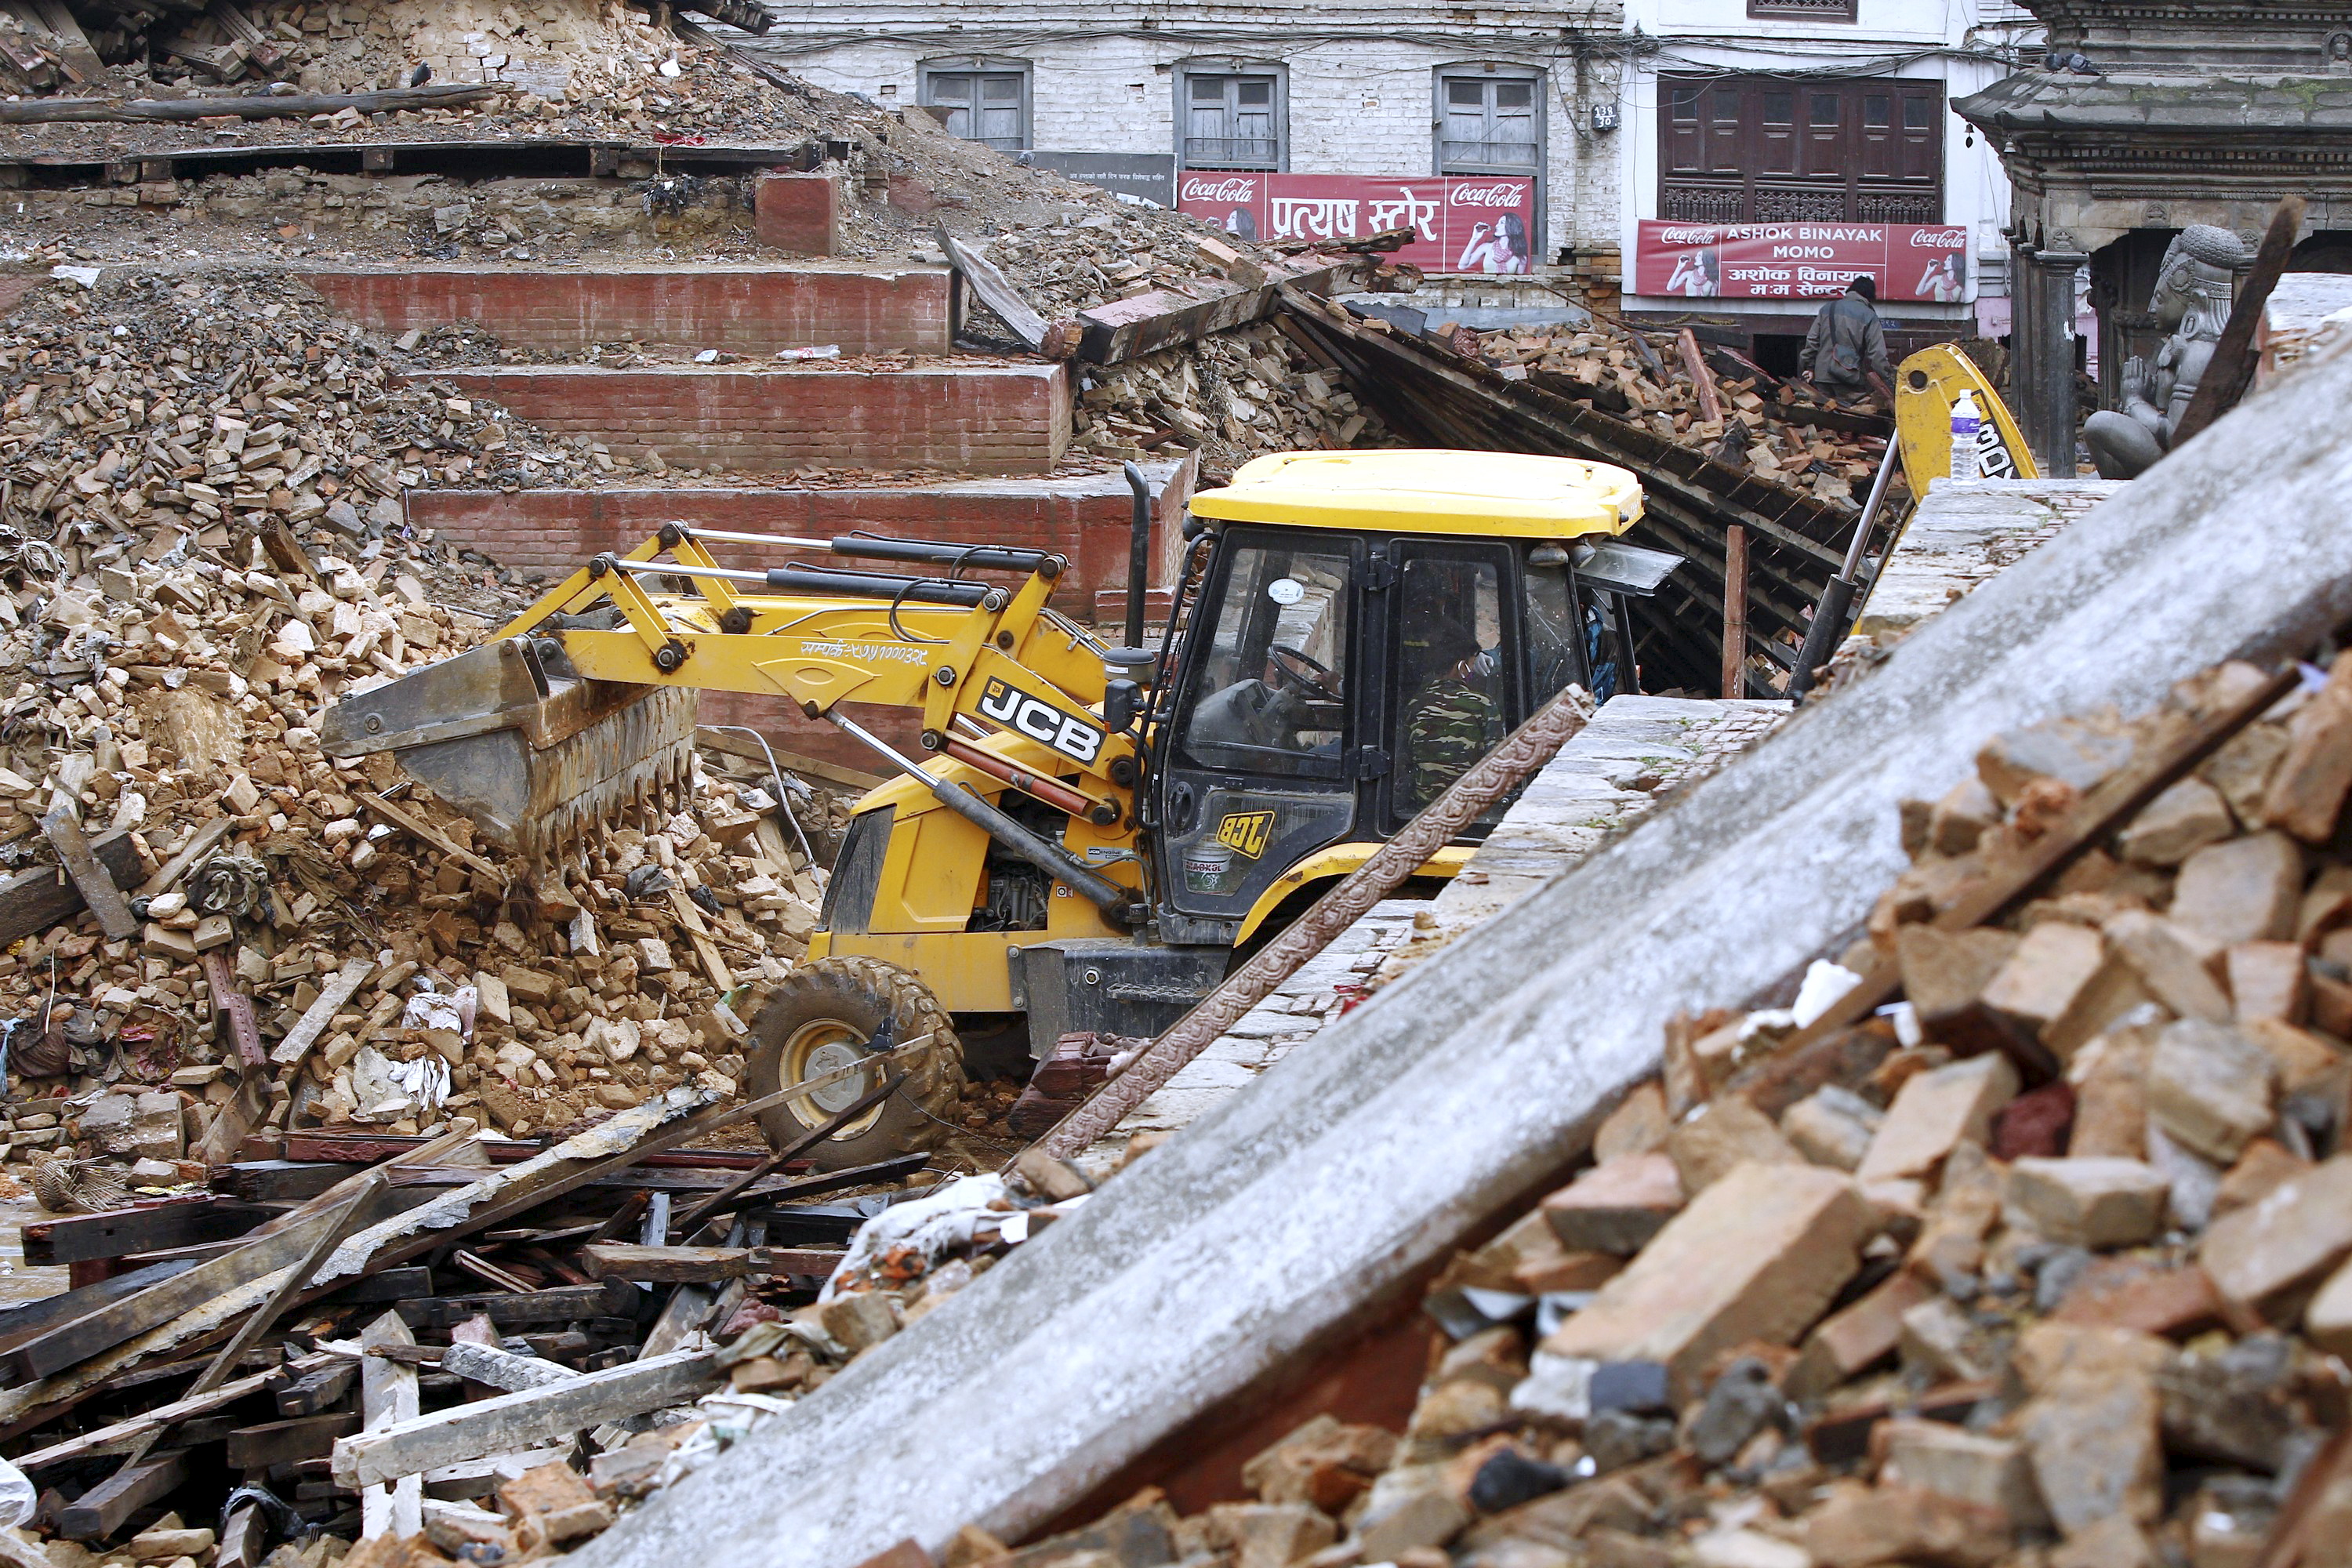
{"x": 2192, "y": 302}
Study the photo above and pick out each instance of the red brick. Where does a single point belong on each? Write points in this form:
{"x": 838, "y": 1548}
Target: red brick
{"x": 752, "y": 309}
{"x": 799, "y": 214}
{"x": 966, "y": 418}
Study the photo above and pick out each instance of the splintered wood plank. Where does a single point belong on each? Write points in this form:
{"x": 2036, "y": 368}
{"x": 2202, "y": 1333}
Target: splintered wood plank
{"x": 518, "y": 1421}
{"x": 36, "y": 900}
{"x": 315, "y": 1019}
{"x": 101, "y": 1511}
{"x": 995, "y": 290}
{"x": 95, "y": 883}
{"x": 387, "y": 1399}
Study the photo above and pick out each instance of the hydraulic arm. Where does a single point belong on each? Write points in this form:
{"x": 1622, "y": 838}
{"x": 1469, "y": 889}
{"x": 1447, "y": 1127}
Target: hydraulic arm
{"x": 582, "y": 707}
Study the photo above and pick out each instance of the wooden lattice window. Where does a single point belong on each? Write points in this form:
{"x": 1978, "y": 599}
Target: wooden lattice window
{"x": 1801, "y": 149}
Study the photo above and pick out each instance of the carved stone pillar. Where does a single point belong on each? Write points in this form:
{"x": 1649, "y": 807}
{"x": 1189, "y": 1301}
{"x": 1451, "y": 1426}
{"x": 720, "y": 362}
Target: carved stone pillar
{"x": 2043, "y": 378}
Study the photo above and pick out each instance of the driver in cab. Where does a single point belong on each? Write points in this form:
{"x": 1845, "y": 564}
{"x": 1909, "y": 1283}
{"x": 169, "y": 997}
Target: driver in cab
{"x": 1450, "y": 722}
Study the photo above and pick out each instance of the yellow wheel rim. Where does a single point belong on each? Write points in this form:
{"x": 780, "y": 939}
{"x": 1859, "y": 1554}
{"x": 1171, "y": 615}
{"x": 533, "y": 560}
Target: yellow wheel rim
{"x": 823, "y": 1045}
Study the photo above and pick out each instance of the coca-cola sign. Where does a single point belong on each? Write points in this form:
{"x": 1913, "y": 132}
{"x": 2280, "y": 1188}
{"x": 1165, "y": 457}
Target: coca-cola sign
{"x": 1484, "y": 223}
{"x": 1795, "y": 261}
{"x": 1240, "y": 188}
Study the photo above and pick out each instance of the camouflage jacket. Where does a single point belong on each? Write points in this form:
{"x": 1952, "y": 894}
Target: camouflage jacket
{"x": 1452, "y": 724}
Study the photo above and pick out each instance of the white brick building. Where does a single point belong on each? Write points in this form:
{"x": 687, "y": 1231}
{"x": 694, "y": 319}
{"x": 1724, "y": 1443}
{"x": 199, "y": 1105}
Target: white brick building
{"x": 1350, "y": 88}
{"x": 1821, "y": 114}
{"x": 1581, "y": 99}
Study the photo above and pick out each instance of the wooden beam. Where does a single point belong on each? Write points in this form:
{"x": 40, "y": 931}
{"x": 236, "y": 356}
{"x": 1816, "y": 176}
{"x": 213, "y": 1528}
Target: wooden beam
{"x": 712, "y": 740}
{"x": 318, "y": 1390}
{"x": 2231, "y": 369}
{"x": 289, "y": 1442}
{"x": 338, "y": 990}
{"x": 1711, "y": 403}
{"x": 119, "y": 1233}
{"x": 120, "y": 1436}
{"x": 95, "y": 883}
{"x": 1735, "y": 612}
{"x": 670, "y": 1265}
{"x": 388, "y": 1400}
{"x": 995, "y": 290}
{"x": 294, "y": 106}
{"x": 243, "y": 1539}
{"x": 2158, "y": 763}
{"x": 1122, "y": 330}
{"x": 101, "y": 1511}
{"x": 417, "y": 827}
{"x": 518, "y": 1421}
{"x": 33, "y": 902}
{"x": 26, "y": 1318}
{"x": 502, "y": 1369}
{"x": 613, "y": 1298}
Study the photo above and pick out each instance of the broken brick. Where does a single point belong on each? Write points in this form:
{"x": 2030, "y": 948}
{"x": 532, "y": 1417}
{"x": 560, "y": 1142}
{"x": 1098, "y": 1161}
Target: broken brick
{"x": 1758, "y": 1255}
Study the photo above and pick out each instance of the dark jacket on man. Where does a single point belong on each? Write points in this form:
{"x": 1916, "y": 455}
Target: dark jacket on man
{"x": 1846, "y": 344}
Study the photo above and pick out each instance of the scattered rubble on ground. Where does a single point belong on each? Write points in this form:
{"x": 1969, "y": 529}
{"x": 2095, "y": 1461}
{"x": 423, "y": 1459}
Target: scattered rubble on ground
{"x": 1732, "y": 410}
{"x": 1235, "y": 395}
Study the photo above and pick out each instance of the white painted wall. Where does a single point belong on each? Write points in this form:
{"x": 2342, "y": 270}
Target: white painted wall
{"x": 1966, "y": 42}
{"x": 1361, "y": 76}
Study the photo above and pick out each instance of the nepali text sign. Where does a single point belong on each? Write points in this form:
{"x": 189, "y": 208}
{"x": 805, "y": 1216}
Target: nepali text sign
{"x": 1463, "y": 223}
{"x": 1925, "y": 262}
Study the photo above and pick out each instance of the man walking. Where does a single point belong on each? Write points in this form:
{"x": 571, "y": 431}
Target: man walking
{"x": 1846, "y": 351}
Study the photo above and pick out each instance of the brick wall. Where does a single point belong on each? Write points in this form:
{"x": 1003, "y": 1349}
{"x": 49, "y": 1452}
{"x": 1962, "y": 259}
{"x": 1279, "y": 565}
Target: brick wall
{"x": 745, "y": 309}
{"x": 1084, "y": 518}
{"x": 966, "y": 418}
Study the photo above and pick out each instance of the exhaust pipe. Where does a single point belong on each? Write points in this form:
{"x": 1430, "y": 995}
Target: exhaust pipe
{"x": 1139, "y": 554}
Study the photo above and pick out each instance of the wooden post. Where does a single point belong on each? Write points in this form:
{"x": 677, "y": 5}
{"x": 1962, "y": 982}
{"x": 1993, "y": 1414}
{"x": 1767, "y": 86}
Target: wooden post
{"x": 1735, "y": 612}
{"x": 388, "y": 1398}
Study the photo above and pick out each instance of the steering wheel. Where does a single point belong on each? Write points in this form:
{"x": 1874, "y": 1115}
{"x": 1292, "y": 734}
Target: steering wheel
{"x": 1296, "y": 671}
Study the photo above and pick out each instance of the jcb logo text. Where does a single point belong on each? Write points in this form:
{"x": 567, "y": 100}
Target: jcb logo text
{"x": 1016, "y": 710}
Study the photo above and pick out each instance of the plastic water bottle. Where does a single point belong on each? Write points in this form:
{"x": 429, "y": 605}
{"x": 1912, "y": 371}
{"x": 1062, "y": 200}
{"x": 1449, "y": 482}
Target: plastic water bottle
{"x": 1967, "y": 422}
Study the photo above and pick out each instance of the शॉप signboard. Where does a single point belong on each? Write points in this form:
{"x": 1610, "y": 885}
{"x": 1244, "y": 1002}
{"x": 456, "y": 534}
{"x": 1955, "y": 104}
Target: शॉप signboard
{"x": 1912, "y": 262}
{"x": 1463, "y": 223}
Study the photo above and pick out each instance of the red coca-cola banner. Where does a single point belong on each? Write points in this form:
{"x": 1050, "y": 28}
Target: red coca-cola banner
{"x": 1925, "y": 262}
{"x": 1467, "y": 223}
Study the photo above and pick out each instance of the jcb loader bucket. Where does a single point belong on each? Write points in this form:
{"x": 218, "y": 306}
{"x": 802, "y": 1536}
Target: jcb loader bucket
{"x": 538, "y": 759}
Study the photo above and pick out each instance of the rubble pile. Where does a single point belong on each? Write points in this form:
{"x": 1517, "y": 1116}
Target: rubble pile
{"x": 1235, "y": 396}
{"x": 205, "y": 549}
{"x": 2047, "y": 1264}
{"x": 150, "y": 408}
{"x": 582, "y": 1280}
{"x": 1758, "y": 423}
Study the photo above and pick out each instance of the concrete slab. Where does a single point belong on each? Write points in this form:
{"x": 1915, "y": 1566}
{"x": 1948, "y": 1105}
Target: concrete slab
{"x": 1963, "y": 535}
{"x": 1293, "y": 1215}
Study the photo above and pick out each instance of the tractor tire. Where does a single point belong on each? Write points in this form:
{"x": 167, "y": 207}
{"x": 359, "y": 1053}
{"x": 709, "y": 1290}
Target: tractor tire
{"x": 811, "y": 1023}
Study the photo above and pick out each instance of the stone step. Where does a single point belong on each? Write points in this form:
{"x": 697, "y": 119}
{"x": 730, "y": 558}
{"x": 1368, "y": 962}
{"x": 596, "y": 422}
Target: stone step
{"x": 749, "y": 308}
{"x": 964, "y": 416}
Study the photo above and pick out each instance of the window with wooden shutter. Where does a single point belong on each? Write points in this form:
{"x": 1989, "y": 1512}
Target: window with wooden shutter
{"x": 1799, "y": 150}
{"x": 990, "y": 106}
{"x": 1231, "y": 122}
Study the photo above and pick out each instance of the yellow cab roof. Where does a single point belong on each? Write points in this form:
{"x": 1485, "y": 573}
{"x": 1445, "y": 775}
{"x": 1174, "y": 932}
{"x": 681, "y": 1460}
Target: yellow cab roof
{"x": 1509, "y": 495}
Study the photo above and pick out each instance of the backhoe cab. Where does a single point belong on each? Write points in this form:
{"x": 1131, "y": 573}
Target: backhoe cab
{"x": 1090, "y": 834}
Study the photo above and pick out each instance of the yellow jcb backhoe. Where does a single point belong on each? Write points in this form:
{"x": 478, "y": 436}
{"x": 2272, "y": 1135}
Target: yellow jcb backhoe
{"x": 1091, "y": 833}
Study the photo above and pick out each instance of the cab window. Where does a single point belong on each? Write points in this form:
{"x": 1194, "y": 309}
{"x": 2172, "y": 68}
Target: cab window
{"x": 1271, "y": 684}
{"x": 1454, "y": 691}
